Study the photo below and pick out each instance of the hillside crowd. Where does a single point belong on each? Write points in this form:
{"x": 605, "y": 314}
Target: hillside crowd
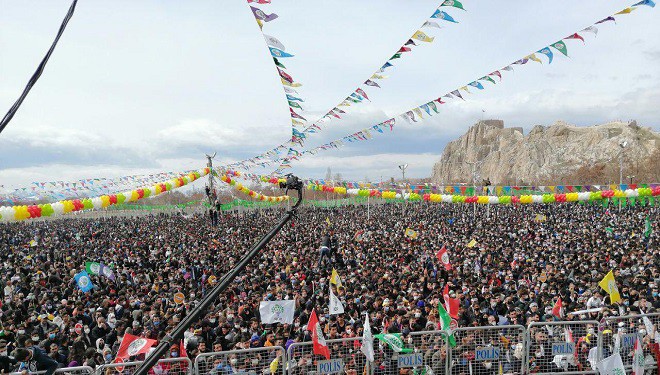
{"x": 525, "y": 258}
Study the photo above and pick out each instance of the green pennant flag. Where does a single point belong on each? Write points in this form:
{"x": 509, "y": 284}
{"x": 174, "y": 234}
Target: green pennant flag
{"x": 561, "y": 47}
{"x": 647, "y": 227}
{"x": 294, "y": 104}
{"x": 395, "y": 56}
{"x": 277, "y": 63}
{"x": 578, "y": 188}
{"x": 445, "y": 320}
{"x": 394, "y": 341}
{"x": 452, "y": 3}
{"x": 633, "y": 201}
{"x": 93, "y": 268}
{"x": 610, "y": 230}
{"x": 488, "y": 79}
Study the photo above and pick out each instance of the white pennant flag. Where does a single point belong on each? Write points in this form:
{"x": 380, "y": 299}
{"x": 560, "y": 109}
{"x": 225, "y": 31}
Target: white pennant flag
{"x": 274, "y": 42}
{"x": 638, "y": 359}
{"x": 277, "y": 311}
{"x": 335, "y": 304}
{"x": 431, "y": 24}
{"x": 367, "y": 340}
{"x": 612, "y": 365}
{"x": 591, "y": 29}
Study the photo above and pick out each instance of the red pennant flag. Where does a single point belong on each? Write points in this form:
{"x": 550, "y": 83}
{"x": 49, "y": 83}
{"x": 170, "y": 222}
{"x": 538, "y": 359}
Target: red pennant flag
{"x": 259, "y": 1}
{"x": 404, "y": 49}
{"x": 575, "y": 36}
{"x": 496, "y": 73}
{"x": 361, "y": 92}
{"x": 558, "y": 309}
{"x": 133, "y": 345}
{"x": 182, "y": 349}
{"x": 443, "y": 257}
{"x": 451, "y": 304}
{"x": 320, "y": 347}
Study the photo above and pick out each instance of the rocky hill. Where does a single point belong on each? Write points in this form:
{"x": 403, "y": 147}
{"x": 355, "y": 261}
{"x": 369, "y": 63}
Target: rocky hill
{"x": 561, "y": 153}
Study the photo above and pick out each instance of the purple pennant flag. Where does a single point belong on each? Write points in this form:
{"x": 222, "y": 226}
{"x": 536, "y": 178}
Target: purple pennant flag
{"x": 371, "y": 83}
{"x": 610, "y": 18}
{"x": 259, "y": 14}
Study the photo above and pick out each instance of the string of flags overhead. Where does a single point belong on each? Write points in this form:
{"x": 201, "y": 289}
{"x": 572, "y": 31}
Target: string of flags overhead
{"x": 20, "y": 213}
{"x": 431, "y": 107}
{"x": 300, "y": 130}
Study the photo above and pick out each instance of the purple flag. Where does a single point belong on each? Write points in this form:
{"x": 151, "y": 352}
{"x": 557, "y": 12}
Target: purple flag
{"x": 260, "y": 15}
{"x": 610, "y": 18}
{"x": 371, "y": 83}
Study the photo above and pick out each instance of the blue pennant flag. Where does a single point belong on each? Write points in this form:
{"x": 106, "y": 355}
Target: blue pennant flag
{"x": 443, "y": 16}
{"x": 377, "y": 128}
{"x": 546, "y": 51}
{"x": 645, "y": 2}
{"x": 293, "y": 98}
{"x": 385, "y": 66}
{"x": 477, "y": 85}
{"x": 426, "y": 108}
{"x": 83, "y": 281}
{"x": 276, "y": 52}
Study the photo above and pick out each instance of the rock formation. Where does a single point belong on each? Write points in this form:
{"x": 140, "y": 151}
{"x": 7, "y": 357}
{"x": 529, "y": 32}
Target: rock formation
{"x": 560, "y": 153}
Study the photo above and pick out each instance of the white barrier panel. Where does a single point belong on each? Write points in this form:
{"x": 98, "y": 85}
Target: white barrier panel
{"x": 488, "y": 350}
{"x": 345, "y": 358}
{"x": 564, "y": 347}
{"x": 256, "y": 361}
{"x": 621, "y": 332}
{"x": 169, "y": 366}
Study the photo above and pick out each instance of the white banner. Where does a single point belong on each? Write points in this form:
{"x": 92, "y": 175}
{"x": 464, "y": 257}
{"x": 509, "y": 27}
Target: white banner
{"x": 335, "y": 304}
{"x": 277, "y": 311}
{"x": 612, "y": 365}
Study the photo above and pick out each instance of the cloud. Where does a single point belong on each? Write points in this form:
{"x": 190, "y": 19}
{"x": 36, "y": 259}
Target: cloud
{"x": 653, "y": 55}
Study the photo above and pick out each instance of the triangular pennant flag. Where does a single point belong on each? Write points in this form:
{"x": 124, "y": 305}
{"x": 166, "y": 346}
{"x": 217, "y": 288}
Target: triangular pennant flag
{"x": 575, "y": 36}
{"x": 625, "y": 11}
{"x": 534, "y": 58}
{"x": 561, "y": 47}
{"x": 371, "y": 83}
{"x": 590, "y": 29}
{"x": 276, "y": 52}
{"x": 452, "y": 3}
{"x": 547, "y": 52}
{"x": 432, "y": 24}
{"x": 419, "y": 35}
{"x": 610, "y": 18}
{"x": 443, "y": 16}
{"x": 645, "y": 2}
{"x": 274, "y": 42}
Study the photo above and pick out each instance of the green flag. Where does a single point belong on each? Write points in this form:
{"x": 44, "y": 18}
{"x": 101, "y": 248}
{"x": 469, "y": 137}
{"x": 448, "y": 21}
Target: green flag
{"x": 561, "y": 47}
{"x": 279, "y": 63}
{"x": 452, "y": 3}
{"x": 92, "y": 268}
{"x": 647, "y": 227}
{"x": 445, "y": 319}
{"x": 489, "y": 79}
{"x": 395, "y": 56}
{"x": 394, "y": 341}
{"x": 294, "y": 104}
{"x": 611, "y": 230}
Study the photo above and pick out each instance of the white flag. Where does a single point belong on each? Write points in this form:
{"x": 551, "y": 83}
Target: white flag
{"x": 274, "y": 42}
{"x": 432, "y": 24}
{"x": 367, "y": 341}
{"x": 335, "y": 304}
{"x": 277, "y": 311}
{"x": 612, "y": 365}
{"x": 638, "y": 359}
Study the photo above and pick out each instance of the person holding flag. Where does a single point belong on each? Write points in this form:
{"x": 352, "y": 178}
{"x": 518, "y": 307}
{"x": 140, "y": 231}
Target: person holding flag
{"x": 320, "y": 347}
{"x": 443, "y": 257}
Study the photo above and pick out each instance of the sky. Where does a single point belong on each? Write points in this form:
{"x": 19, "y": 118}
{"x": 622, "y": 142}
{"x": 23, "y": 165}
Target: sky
{"x": 150, "y": 86}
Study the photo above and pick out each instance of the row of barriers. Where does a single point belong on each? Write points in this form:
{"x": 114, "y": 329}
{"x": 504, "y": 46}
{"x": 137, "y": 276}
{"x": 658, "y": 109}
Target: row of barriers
{"x": 571, "y": 347}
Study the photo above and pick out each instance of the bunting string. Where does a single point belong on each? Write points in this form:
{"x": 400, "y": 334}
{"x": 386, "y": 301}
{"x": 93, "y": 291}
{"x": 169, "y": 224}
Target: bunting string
{"x": 20, "y": 213}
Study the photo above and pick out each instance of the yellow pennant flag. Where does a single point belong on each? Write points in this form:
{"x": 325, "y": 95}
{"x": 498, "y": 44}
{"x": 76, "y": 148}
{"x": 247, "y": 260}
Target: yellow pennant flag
{"x": 419, "y": 35}
{"x": 294, "y": 84}
{"x": 335, "y": 279}
{"x": 625, "y": 11}
{"x": 260, "y": 23}
{"x": 472, "y": 243}
{"x": 418, "y": 112}
{"x": 327, "y": 220}
{"x": 296, "y": 122}
{"x": 534, "y": 58}
{"x": 609, "y": 285}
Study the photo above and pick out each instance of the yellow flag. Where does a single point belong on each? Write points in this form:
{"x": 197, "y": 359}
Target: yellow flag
{"x": 274, "y": 365}
{"x": 421, "y": 36}
{"x": 465, "y": 89}
{"x": 335, "y": 279}
{"x": 411, "y": 233}
{"x": 294, "y": 84}
{"x": 472, "y": 243}
{"x": 33, "y": 243}
{"x": 296, "y": 122}
{"x": 327, "y": 220}
{"x": 534, "y": 58}
{"x": 609, "y": 285}
{"x": 344, "y": 104}
{"x": 625, "y": 11}
{"x": 418, "y": 112}
{"x": 260, "y": 23}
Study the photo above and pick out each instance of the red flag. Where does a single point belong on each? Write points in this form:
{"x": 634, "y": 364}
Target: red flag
{"x": 575, "y": 36}
{"x": 259, "y": 1}
{"x": 451, "y": 304}
{"x": 404, "y": 49}
{"x": 320, "y": 347}
{"x": 182, "y": 349}
{"x": 133, "y": 345}
{"x": 443, "y": 257}
{"x": 361, "y": 92}
{"x": 558, "y": 309}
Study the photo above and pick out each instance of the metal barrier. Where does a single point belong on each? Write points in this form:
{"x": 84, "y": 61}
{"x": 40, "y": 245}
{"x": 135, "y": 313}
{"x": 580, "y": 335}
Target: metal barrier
{"x": 565, "y": 347}
{"x": 488, "y": 350}
{"x": 169, "y": 366}
{"x": 269, "y": 360}
{"x": 345, "y": 357}
{"x": 621, "y": 332}
{"x": 433, "y": 346}
{"x": 79, "y": 370}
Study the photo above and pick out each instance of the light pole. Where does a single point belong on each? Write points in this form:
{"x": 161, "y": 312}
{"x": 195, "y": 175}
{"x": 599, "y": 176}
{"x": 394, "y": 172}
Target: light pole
{"x": 631, "y": 178}
{"x": 623, "y": 145}
{"x": 403, "y": 168}
{"x": 474, "y": 183}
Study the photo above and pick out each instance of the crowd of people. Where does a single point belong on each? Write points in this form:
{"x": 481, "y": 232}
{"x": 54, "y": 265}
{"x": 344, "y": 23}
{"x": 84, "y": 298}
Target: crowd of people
{"x": 525, "y": 259}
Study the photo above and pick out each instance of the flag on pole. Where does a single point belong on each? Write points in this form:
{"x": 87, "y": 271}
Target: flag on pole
{"x": 336, "y": 306}
{"x": 106, "y": 271}
{"x": 647, "y": 227}
{"x": 638, "y": 359}
{"x": 609, "y": 285}
{"x": 367, "y": 340}
{"x": 472, "y": 243}
{"x": 133, "y": 345}
{"x": 443, "y": 257}
{"x": 277, "y": 311}
{"x": 335, "y": 279}
{"x": 452, "y": 304}
{"x": 320, "y": 347}
{"x": 276, "y": 52}
{"x": 410, "y": 233}
{"x": 83, "y": 282}
{"x": 93, "y": 268}
{"x": 558, "y": 309}
{"x": 421, "y": 36}
{"x": 612, "y": 365}
{"x": 393, "y": 340}
{"x": 445, "y": 324}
